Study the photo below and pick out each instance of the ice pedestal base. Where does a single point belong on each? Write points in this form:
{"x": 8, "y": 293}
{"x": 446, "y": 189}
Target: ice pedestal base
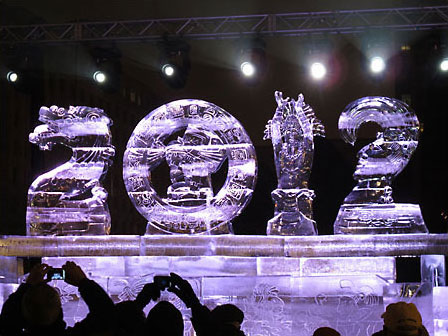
{"x": 279, "y": 296}
{"x": 394, "y": 218}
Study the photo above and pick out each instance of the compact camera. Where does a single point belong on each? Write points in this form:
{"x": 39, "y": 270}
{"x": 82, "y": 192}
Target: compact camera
{"x": 162, "y": 281}
{"x": 56, "y": 274}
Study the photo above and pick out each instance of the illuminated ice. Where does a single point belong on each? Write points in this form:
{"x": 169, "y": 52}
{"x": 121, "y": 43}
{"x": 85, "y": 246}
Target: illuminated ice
{"x": 209, "y": 136}
{"x": 370, "y": 208}
{"x": 279, "y": 296}
{"x": 292, "y": 131}
{"x": 70, "y": 200}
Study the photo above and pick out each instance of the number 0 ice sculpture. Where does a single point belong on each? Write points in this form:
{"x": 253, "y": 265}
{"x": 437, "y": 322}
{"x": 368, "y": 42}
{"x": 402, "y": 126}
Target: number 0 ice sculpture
{"x": 369, "y": 208}
{"x": 292, "y": 131}
{"x": 210, "y": 136}
{"x": 69, "y": 200}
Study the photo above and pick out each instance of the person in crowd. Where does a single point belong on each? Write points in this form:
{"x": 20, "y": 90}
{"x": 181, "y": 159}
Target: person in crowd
{"x": 163, "y": 319}
{"x": 35, "y": 307}
{"x": 402, "y": 319}
{"x": 326, "y": 331}
{"x": 223, "y": 320}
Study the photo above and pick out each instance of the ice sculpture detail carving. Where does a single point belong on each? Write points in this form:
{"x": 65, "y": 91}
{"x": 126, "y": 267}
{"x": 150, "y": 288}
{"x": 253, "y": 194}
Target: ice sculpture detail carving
{"x": 292, "y": 131}
{"x": 70, "y": 200}
{"x": 209, "y": 137}
{"x": 370, "y": 208}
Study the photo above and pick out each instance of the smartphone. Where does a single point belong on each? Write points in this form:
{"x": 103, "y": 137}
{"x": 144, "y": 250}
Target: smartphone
{"x": 56, "y": 274}
{"x": 162, "y": 281}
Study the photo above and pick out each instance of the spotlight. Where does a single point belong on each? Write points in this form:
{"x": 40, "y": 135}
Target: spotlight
{"x": 252, "y": 60}
{"x": 107, "y": 68}
{"x": 444, "y": 65}
{"x": 168, "y": 70}
{"x": 248, "y": 69}
{"x": 12, "y": 77}
{"x": 174, "y": 62}
{"x": 318, "y": 70}
{"x": 377, "y": 64}
{"x": 99, "y": 77}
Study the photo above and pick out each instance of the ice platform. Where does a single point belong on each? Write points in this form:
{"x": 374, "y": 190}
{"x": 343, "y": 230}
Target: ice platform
{"x": 226, "y": 245}
{"x": 285, "y": 285}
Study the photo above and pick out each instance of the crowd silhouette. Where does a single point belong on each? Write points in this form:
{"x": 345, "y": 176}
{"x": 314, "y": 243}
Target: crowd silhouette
{"x": 35, "y": 309}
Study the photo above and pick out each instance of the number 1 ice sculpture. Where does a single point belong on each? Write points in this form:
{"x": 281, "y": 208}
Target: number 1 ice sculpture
{"x": 370, "y": 208}
{"x": 292, "y": 131}
{"x": 69, "y": 200}
{"x": 208, "y": 136}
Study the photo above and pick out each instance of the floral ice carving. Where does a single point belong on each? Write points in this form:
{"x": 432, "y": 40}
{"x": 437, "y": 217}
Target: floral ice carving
{"x": 70, "y": 200}
{"x": 292, "y": 131}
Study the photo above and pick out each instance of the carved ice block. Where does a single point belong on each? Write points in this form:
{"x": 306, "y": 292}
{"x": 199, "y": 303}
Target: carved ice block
{"x": 70, "y": 199}
{"x": 418, "y": 293}
{"x": 207, "y": 137}
{"x": 440, "y": 306}
{"x": 10, "y": 269}
{"x": 370, "y": 208}
{"x": 279, "y": 295}
{"x": 292, "y": 131}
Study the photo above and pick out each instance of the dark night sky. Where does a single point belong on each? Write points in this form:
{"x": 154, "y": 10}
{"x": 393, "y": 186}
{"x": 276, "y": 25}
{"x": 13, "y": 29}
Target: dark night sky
{"x": 213, "y": 77}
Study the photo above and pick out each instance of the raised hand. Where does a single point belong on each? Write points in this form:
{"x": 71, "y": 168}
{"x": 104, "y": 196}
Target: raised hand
{"x": 183, "y": 290}
{"x": 73, "y": 273}
{"x": 149, "y": 292}
{"x": 37, "y": 274}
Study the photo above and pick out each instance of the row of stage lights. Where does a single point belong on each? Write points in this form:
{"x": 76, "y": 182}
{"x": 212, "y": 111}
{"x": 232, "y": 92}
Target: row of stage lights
{"x": 317, "y": 70}
{"x": 174, "y": 66}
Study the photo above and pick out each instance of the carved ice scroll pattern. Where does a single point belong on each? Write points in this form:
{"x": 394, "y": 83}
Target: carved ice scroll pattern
{"x": 292, "y": 131}
{"x": 370, "y": 208}
{"x": 207, "y": 137}
{"x": 70, "y": 199}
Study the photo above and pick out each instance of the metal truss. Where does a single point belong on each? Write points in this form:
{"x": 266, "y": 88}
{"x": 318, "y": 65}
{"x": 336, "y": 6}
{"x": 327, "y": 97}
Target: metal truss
{"x": 334, "y": 22}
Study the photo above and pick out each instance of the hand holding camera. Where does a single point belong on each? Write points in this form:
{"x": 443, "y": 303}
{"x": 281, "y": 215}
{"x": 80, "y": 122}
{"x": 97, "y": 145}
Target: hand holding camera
{"x": 73, "y": 273}
{"x": 151, "y": 291}
{"x": 183, "y": 290}
{"x": 70, "y": 272}
{"x": 37, "y": 274}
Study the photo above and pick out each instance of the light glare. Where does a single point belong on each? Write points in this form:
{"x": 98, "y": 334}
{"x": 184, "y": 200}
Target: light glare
{"x": 99, "y": 77}
{"x": 168, "y": 70}
{"x": 377, "y": 64}
{"x": 12, "y": 76}
{"x": 444, "y": 65}
{"x": 318, "y": 70}
{"x": 247, "y": 69}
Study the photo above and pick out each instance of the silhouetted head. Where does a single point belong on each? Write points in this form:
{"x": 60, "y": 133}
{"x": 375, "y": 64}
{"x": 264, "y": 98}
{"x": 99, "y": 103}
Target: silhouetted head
{"x": 164, "y": 320}
{"x": 326, "y": 331}
{"x": 228, "y": 314}
{"x": 41, "y": 306}
{"x": 402, "y": 318}
{"x": 129, "y": 318}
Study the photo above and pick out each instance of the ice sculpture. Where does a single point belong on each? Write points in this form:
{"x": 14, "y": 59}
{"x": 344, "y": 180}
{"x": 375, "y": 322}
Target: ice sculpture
{"x": 369, "y": 208}
{"x": 291, "y": 131}
{"x": 70, "y": 200}
{"x": 209, "y": 137}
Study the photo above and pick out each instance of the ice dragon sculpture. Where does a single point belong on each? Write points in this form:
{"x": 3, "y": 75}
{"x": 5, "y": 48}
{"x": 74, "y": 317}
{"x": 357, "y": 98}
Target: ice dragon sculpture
{"x": 370, "y": 208}
{"x": 70, "y": 200}
{"x": 292, "y": 131}
{"x": 209, "y": 137}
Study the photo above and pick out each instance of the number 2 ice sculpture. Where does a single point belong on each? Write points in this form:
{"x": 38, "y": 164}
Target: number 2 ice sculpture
{"x": 369, "y": 208}
{"x": 292, "y": 131}
{"x": 69, "y": 200}
{"x": 209, "y": 137}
